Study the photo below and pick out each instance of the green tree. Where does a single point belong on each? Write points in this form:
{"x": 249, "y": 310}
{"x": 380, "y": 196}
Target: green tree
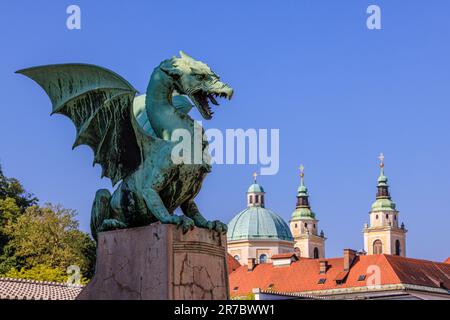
{"x": 12, "y": 188}
{"x": 13, "y": 201}
{"x": 40, "y": 273}
{"x": 49, "y": 236}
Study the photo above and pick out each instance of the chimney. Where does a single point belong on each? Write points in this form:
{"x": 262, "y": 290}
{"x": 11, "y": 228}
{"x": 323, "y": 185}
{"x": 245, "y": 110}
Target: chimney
{"x": 323, "y": 266}
{"x": 349, "y": 257}
{"x": 251, "y": 264}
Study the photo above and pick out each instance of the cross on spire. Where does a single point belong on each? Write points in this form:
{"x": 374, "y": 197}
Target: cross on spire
{"x": 302, "y": 173}
{"x": 255, "y": 175}
{"x": 381, "y": 157}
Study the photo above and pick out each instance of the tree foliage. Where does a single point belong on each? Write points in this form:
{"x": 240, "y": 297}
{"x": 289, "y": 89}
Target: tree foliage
{"x": 11, "y": 188}
{"x": 40, "y": 242}
{"x": 40, "y": 273}
{"x": 49, "y": 236}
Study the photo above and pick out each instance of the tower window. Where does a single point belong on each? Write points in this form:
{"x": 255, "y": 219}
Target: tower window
{"x": 256, "y": 198}
{"x": 387, "y": 216}
{"x": 377, "y": 247}
{"x": 296, "y": 226}
{"x": 316, "y": 253}
{"x": 263, "y": 258}
{"x": 306, "y": 225}
{"x": 376, "y": 217}
{"x": 251, "y": 199}
{"x": 398, "y": 249}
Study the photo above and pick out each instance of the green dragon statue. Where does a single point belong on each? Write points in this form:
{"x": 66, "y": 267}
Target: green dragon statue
{"x": 131, "y": 137}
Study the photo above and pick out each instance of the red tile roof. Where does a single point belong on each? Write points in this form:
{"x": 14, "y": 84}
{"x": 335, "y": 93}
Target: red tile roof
{"x": 21, "y": 289}
{"x": 304, "y": 275}
{"x": 448, "y": 260}
{"x": 232, "y": 264}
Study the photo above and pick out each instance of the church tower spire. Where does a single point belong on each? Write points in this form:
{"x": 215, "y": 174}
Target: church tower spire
{"x": 304, "y": 225}
{"x": 383, "y": 234}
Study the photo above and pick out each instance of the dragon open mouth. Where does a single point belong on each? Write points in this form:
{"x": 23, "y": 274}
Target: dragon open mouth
{"x": 202, "y": 99}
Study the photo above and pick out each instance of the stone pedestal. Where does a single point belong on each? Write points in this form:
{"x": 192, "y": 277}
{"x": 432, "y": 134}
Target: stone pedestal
{"x": 159, "y": 262}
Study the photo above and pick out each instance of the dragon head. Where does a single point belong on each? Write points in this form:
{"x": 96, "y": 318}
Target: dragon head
{"x": 196, "y": 80}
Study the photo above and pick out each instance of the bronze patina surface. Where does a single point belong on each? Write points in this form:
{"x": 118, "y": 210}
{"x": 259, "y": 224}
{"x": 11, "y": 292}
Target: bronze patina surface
{"x": 131, "y": 137}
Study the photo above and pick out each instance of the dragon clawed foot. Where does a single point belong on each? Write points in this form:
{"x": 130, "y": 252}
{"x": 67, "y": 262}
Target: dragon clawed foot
{"x": 188, "y": 224}
{"x": 184, "y": 222}
{"x": 112, "y": 224}
{"x": 217, "y": 225}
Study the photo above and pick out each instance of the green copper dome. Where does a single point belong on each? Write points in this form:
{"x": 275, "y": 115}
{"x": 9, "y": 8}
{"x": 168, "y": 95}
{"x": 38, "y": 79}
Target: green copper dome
{"x": 383, "y": 205}
{"x": 302, "y": 213}
{"x": 255, "y": 188}
{"x": 382, "y": 180}
{"x": 302, "y": 190}
{"x": 258, "y": 223}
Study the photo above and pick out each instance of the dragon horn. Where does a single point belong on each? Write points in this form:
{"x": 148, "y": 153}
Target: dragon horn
{"x": 184, "y": 55}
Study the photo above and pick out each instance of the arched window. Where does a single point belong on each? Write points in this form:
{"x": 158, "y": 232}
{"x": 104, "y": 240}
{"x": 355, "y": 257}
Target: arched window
{"x": 398, "y": 249}
{"x": 376, "y": 217}
{"x": 387, "y": 216}
{"x": 237, "y": 258}
{"x": 316, "y": 253}
{"x": 256, "y": 198}
{"x": 297, "y": 252}
{"x": 263, "y": 258}
{"x": 251, "y": 199}
{"x": 306, "y": 225}
{"x": 296, "y": 226}
{"x": 377, "y": 247}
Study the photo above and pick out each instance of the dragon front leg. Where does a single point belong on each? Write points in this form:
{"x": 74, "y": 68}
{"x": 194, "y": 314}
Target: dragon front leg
{"x": 190, "y": 209}
{"x": 158, "y": 209}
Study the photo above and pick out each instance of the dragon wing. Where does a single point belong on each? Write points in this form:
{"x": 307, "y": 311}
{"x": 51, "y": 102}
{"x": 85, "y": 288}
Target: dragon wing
{"x": 99, "y": 102}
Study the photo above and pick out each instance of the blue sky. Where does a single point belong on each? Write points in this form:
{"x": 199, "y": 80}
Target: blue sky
{"x": 339, "y": 93}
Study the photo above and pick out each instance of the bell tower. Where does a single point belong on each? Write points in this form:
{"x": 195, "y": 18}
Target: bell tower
{"x": 304, "y": 225}
{"x": 383, "y": 235}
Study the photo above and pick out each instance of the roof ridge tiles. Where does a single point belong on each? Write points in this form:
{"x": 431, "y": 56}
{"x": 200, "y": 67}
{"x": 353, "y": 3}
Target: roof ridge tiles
{"x": 32, "y": 281}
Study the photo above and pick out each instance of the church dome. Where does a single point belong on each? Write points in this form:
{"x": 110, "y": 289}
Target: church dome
{"x": 258, "y": 223}
{"x": 255, "y": 188}
{"x": 383, "y": 205}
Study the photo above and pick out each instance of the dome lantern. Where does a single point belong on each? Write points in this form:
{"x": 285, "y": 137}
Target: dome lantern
{"x": 255, "y": 194}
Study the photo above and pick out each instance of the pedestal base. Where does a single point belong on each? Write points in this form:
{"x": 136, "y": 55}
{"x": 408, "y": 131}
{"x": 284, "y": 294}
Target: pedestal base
{"x": 159, "y": 262}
